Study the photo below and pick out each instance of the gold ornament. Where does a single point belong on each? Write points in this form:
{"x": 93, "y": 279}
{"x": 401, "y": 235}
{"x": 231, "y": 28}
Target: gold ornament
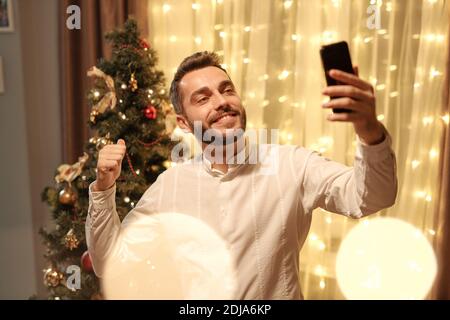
{"x": 67, "y": 196}
{"x": 71, "y": 240}
{"x": 68, "y": 173}
{"x": 109, "y": 100}
{"x": 170, "y": 117}
{"x": 52, "y": 278}
{"x": 133, "y": 83}
{"x": 103, "y": 141}
{"x": 93, "y": 115}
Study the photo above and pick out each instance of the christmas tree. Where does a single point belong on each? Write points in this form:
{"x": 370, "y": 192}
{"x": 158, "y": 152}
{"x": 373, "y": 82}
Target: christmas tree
{"x": 129, "y": 101}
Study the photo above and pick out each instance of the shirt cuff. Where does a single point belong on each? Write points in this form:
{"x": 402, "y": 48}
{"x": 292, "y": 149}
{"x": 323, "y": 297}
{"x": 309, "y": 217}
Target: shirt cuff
{"x": 376, "y": 152}
{"x": 102, "y": 199}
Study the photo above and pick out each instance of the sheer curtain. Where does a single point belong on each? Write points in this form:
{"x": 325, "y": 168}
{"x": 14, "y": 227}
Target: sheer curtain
{"x": 271, "y": 50}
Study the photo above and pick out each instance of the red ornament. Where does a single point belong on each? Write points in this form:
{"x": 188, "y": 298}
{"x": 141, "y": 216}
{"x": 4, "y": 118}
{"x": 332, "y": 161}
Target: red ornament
{"x": 150, "y": 112}
{"x": 144, "y": 44}
{"x": 86, "y": 262}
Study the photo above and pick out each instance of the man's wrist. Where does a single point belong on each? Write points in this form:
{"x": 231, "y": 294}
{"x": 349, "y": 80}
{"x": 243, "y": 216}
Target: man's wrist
{"x": 95, "y": 187}
{"x": 372, "y": 134}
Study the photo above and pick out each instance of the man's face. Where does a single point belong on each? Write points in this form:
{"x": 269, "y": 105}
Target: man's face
{"x": 209, "y": 96}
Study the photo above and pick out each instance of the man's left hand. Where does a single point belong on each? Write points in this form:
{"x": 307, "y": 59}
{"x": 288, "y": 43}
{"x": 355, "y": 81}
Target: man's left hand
{"x": 357, "y": 95}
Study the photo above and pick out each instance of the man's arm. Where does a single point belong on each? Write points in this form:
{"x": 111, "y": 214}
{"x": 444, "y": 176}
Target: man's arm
{"x": 367, "y": 187}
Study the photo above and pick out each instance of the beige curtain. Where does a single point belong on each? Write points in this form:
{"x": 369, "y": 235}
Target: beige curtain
{"x": 442, "y": 285}
{"x": 79, "y": 51}
{"x": 271, "y": 49}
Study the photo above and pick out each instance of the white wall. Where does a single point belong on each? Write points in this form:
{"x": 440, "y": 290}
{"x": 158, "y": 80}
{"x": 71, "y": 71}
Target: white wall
{"x": 29, "y": 142}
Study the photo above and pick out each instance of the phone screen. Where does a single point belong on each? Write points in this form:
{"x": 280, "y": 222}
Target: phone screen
{"x": 336, "y": 56}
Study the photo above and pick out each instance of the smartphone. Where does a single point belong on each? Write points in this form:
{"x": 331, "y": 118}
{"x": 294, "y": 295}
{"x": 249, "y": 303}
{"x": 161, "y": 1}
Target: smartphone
{"x": 336, "y": 56}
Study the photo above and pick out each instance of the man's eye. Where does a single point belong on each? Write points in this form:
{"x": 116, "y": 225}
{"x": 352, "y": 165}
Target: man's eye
{"x": 229, "y": 90}
{"x": 202, "y": 100}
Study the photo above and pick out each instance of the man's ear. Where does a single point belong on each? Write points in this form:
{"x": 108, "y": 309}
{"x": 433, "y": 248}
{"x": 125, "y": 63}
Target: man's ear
{"x": 183, "y": 124}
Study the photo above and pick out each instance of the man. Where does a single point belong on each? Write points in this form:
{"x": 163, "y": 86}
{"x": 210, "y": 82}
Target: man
{"x": 264, "y": 217}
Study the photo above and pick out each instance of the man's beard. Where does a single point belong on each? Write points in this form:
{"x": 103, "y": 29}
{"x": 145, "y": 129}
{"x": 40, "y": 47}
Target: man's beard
{"x": 228, "y": 137}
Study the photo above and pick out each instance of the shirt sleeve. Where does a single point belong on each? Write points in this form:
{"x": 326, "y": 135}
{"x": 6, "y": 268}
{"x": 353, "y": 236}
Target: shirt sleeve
{"x": 103, "y": 226}
{"x": 367, "y": 187}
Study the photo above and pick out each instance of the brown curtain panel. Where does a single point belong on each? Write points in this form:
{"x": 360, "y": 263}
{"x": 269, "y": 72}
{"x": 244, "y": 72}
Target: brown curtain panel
{"x": 80, "y": 50}
{"x": 442, "y": 284}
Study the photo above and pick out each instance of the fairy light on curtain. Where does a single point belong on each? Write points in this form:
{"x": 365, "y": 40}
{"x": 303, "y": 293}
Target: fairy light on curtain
{"x": 271, "y": 50}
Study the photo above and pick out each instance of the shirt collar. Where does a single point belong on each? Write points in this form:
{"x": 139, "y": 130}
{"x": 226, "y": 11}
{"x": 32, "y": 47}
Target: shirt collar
{"x": 236, "y": 162}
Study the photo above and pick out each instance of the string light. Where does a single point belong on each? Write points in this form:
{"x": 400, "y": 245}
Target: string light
{"x": 173, "y": 38}
{"x": 319, "y": 271}
{"x": 198, "y": 40}
{"x": 296, "y": 37}
{"x": 380, "y": 87}
{"x": 433, "y": 153}
{"x": 222, "y": 34}
{"x": 382, "y": 31}
{"x": 138, "y": 171}
{"x": 287, "y": 4}
{"x": 282, "y": 99}
{"x": 427, "y": 120}
{"x": 428, "y": 198}
{"x": 415, "y": 164}
{"x": 123, "y": 86}
{"x": 321, "y": 246}
{"x": 392, "y": 67}
{"x": 432, "y": 232}
{"x": 283, "y": 75}
{"x": 265, "y": 103}
{"x": 420, "y": 194}
{"x": 219, "y": 1}
{"x": 322, "y": 284}
{"x": 445, "y": 118}
{"x": 246, "y": 60}
{"x": 434, "y": 73}
{"x": 247, "y": 29}
{"x": 166, "y": 7}
{"x": 389, "y": 6}
{"x": 263, "y": 77}
{"x": 195, "y": 6}
{"x": 96, "y": 94}
{"x": 380, "y": 117}
{"x": 393, "y": 94}
{"x": 336, "y": 3}
{"x": 126, "y": 199}
{"x": 132, "y": 204}
{"x": 218, "y": 27}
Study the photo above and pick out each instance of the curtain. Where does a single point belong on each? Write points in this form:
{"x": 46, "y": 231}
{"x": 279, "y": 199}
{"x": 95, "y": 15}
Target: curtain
{"x": 79, "y": 51}
{"x": 271, "y": 50}
{"x": 442, "y": 286}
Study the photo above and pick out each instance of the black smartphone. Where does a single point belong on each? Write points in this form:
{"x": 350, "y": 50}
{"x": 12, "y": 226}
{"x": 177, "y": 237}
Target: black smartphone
{"x": 336, "y": 56}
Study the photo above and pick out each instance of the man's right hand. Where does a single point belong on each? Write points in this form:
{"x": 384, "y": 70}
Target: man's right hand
{"x": 109, "y": 165}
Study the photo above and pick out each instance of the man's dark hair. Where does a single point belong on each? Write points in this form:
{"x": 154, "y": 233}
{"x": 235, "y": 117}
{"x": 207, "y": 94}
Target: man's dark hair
{"x": 198, "y": 60}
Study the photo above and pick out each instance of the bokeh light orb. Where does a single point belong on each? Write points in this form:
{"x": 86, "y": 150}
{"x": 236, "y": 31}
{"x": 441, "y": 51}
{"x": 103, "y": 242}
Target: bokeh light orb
{"x": 385, "y": 258}
{"x": 168, "y": 256}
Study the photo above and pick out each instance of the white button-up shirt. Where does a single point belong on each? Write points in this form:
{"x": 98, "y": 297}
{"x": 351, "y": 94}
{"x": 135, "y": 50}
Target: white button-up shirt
{"x": 262, "y": 211}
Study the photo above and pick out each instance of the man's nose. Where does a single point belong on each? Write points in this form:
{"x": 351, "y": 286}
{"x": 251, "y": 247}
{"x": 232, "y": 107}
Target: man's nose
{"x": 219, "y": 101}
